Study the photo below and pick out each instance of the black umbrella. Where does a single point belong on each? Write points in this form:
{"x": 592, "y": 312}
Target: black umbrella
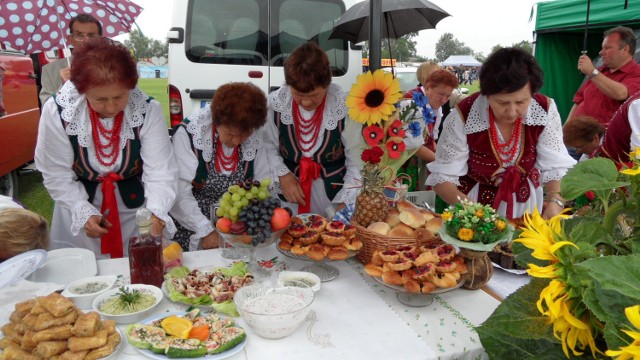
{"x": 400, "y": 17}
{"x": 586, "y": 24}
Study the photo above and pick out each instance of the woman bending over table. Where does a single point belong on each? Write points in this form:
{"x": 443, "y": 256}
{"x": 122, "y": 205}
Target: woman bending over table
{"x": 216, "y": 147}
{"x": 314, "y": 152}
{"x": 104, "y": 151}
{"x": 502, "y": 145}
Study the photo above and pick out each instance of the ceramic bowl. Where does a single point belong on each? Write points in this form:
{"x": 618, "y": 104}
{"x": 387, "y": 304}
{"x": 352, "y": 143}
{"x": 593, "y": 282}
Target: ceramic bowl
{"x": 83, "y": 291}
{"x": 274, "y": 312}
{"x": 130, "y": 317}
{"x": 287, "y": 278}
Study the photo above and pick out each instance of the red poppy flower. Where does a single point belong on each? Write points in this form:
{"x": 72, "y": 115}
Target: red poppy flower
{"x": 395, "y": 129}
{"x": 373, "y": 155}
{"x": 373, "y": 135}
{"x": 395, "y": 147}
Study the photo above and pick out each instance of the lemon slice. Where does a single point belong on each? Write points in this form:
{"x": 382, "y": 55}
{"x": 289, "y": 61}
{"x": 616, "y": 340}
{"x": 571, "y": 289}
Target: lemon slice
{"x": 177, "y": 326}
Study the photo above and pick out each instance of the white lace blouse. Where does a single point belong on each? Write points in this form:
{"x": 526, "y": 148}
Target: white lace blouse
{"x": 200, "y": 126}
{"x": 54, "y": 154}
{"x": 334, "y": 111}
{"x": 452, "y": 151}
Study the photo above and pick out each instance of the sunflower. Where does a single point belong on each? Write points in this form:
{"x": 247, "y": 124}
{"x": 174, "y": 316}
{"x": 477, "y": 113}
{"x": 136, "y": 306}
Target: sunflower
{"x": 372, "y": 98}
{"x": 633, "y": 350}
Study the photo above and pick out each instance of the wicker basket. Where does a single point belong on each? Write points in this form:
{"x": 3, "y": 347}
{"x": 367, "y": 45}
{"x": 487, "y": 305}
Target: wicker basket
{"x": 373, "y": 241}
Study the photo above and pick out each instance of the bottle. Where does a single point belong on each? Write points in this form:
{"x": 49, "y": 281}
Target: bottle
{"x": 145, "y": 252}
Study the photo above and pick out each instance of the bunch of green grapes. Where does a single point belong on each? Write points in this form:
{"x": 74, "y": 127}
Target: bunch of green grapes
{"x": 240, "y": 195}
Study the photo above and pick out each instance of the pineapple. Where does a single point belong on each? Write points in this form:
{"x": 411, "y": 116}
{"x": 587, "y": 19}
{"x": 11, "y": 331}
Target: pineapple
{"x": 371, "y": 204}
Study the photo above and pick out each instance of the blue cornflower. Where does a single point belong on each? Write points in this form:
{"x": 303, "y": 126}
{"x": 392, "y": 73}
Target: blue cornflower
{"x": 415, "y": 129}
{"x": 420, "y": 99}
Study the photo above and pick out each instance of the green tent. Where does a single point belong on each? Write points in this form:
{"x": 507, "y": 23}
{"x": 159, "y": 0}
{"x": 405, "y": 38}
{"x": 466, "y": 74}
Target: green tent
{"x": 559, "y": 40}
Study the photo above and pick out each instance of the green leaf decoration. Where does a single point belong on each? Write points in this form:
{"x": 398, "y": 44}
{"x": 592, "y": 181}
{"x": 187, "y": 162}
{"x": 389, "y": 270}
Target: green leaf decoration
{"x": 595, "y": 174}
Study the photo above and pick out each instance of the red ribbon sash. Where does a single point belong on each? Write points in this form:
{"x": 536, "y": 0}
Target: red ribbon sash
{"x": 510, "y": 184}
{"x": 309, "y": 171}
{"x": 111, "y": 243}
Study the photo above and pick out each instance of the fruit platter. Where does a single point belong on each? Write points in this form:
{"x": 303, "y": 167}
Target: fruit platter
{"x": 187, "y": 335}
{"x": 314, "y": 238}
{"x": 417, "y": 273}
{"x": 209, "y": 288}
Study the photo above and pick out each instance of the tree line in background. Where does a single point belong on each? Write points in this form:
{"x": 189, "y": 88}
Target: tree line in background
{"x": 404, "y": 49}
{"x": 143, "y": 47}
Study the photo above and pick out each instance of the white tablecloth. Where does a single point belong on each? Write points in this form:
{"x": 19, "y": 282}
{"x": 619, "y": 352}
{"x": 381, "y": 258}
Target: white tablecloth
{"x": 353, "y": 317}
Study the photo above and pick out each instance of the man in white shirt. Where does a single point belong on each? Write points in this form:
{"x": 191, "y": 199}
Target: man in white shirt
{"x": 56, "y": 73}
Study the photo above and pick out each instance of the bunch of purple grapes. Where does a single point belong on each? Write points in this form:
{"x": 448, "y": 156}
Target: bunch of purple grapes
{"x": 257, "y": 217}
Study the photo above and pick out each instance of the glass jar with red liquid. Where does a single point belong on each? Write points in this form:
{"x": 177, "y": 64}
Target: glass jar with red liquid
{"x": 145, "y": 252}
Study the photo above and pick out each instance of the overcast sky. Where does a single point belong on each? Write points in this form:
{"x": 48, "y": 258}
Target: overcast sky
{"x": 479, "y": 24}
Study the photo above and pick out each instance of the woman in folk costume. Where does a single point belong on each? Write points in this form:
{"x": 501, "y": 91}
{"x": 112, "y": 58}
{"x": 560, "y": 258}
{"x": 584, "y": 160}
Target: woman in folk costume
{"x": 313, "y": 151}
{"x": 503, "y": 146}
{"x": 216, "y": 147}
{"x": 104, "y": 151}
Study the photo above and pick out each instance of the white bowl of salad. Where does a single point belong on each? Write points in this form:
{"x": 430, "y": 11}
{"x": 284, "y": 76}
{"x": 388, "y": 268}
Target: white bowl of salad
{"x": 83, "y": 291}
{"x": 128, "y": 303}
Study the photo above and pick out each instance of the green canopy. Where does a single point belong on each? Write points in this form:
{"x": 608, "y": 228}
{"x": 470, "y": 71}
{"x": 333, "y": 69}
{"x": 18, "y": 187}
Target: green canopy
{"x": 559, "y": 40}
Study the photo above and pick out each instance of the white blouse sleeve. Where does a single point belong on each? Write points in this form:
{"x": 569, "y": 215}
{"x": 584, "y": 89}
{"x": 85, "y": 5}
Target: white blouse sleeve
{"x": 261, "y": 168}
{"x": 159, "y": 171}
{"x": 353, "y": 143}
{"x": 452, "y": 153}
{"x": 553, "y": 159}
{"x": 186, "y": 210}
{"x": 54, "y": 159}
{"x": 634, "y": 122}
{"x": 271, "y": 140}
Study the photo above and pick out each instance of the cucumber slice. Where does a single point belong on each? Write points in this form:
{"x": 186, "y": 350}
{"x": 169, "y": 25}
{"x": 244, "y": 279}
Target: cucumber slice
{"x": 141, "y": 336}
{"x": 185, "y": 348}
{"x": 228, "y": 337}
{"x": 160, "y": 347}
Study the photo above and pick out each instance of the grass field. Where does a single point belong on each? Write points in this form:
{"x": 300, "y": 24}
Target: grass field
{"x": 32, "y": 193}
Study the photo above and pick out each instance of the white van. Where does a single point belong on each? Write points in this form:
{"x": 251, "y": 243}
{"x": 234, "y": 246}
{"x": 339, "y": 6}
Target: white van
{"x": 213, "y": 42}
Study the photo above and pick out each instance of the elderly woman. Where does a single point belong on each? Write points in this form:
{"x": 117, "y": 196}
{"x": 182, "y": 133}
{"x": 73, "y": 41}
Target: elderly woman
{"x": 21, "y": 230}
{"x": 216, "y": 147}
{"x": 314, "y": 152}
{"x": 500, "y": 146}
{"x": 104, "y": 151}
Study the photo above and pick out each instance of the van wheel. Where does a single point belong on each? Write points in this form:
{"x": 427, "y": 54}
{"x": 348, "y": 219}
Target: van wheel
{"x": 9, "y": 184}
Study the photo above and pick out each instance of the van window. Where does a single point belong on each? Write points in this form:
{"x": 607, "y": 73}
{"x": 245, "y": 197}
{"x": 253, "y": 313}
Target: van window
{"x": 237, "y": 31}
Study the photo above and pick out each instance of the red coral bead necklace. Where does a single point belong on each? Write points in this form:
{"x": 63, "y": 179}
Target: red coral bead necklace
{"x": 305, "y": 127}
{"x": 222, "y": 161}
{"x": 107, "y": 154}
{"x": 509, "y": 149}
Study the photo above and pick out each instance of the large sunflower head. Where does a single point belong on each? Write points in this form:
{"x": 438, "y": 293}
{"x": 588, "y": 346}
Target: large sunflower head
{"x": 372, "y": 98}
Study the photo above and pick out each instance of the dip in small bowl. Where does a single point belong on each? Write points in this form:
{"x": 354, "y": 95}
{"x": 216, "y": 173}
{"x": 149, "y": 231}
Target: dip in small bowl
{"x": 129, "y": 303}
{"x": 83, "y": 291}
{"x": 289, "y": 278}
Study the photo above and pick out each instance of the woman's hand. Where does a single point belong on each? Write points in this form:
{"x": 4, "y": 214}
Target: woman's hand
{"x": 291, "y": 189}
{"x": 551, "y": 209}
{"x": 157, "y": 226}
{"x": 93, "y": 229}
{"x": 210, "y": 241}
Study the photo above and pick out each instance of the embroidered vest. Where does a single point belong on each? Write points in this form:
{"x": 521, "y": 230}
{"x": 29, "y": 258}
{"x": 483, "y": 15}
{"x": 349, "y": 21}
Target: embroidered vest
{"x": 619, "y": 128}
{"x": 130, "y": 187}
{"x": 330, "y": 156}
{"x": 204, "y": 167}
{"x": 484, "y": 164}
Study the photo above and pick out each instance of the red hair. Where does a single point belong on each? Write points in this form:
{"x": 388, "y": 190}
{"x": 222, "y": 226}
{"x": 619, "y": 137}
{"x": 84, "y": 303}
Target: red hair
{"x": 239, "y": 105}
{"x": 442, "y": 77}
{"x": 307, "y": 68}
{"x": 101, "y": 61}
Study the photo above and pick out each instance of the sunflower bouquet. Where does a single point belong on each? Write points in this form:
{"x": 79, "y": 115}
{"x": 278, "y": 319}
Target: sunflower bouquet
{"x": 584, "y": 298}
{"x": 474, "y": 226}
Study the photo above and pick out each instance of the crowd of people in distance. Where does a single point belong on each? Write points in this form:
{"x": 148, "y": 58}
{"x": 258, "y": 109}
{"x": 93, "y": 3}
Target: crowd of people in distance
{"x": 104, "y": 151}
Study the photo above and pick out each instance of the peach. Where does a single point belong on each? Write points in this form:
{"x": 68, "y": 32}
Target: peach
{"x": 224, "y": 225}
{"x": 280, "y": 219}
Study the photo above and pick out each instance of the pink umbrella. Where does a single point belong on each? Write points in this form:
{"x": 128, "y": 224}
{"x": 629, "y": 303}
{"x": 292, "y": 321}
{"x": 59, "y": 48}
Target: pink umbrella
{"x": 41, "y": 25}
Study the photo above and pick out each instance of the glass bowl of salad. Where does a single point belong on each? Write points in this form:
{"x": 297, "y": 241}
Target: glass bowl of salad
{"x": 128, "y": 303}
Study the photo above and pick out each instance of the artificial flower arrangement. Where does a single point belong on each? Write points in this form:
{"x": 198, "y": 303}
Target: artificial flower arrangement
{"x": 583, "y": 300}
{"x": 474, "y": 226}
{"x": 392, "y": 131}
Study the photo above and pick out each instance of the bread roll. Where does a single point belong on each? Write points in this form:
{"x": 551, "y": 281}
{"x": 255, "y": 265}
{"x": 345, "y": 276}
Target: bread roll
{"x": 338, "y": 253}
{"x": 412, "y": 286}
{"x": 402, "y": 230}
{"x": 427, "y": 287}
{"x": 403, "y": 205}
{"x": 392, "y": 217}
{"x": 434, "y": 225}
{"x": 373, "y": 270}
{"x": 379, "y": 227}
{"x": 316, "y": 252}
{"x": 427, "y": 215}
{"x": 412, "y": 218}
{"x": 392, "y": 278}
